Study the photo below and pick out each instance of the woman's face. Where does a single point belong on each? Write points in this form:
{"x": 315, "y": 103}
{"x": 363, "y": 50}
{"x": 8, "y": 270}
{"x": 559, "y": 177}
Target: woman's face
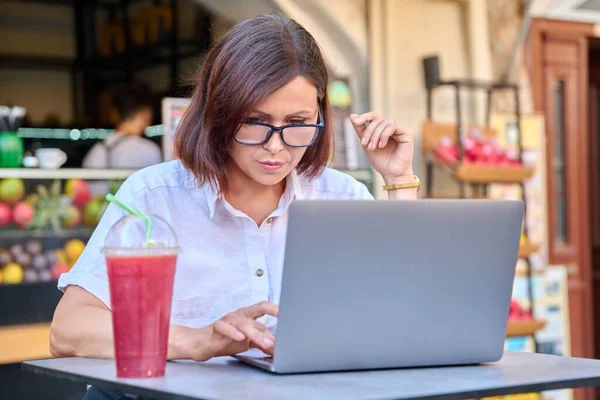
{"x": 269, "y": 163}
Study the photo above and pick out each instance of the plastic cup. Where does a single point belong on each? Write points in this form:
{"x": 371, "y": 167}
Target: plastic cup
{"x": 141, "y": 275}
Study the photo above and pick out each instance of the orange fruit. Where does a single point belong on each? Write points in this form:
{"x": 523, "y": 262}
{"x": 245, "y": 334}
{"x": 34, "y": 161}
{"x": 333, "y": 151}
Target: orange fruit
{"x": 73, "y": 250}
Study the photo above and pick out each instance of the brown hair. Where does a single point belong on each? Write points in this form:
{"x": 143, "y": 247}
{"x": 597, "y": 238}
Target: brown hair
{"x": 253, "y": 60}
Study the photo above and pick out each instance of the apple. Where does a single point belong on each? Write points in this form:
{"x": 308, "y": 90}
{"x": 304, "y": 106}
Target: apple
{"x": 93, "y": 210}
{"x": 446, "y": 152}
{"x": 79, "y": 191}
{"x": 487, "y": 151}
{"x": 499, "y": 156}
{"x": 514, "y": 312}
{"x": 5, "y": 215}
{"x": 513, "y": 159}
{"x": 470, "y": 148}
{"x": 11, "y": 190}
{"x": 22, "y": 215}
{"x": 58, "y": 269}
{"x": 71, "y": 217}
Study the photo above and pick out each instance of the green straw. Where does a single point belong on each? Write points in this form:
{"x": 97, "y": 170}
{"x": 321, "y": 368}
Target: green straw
{"x": 133, "y": 211}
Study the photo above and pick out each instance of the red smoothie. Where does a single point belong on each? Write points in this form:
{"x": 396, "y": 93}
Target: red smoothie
{"x": 141, "y": 287}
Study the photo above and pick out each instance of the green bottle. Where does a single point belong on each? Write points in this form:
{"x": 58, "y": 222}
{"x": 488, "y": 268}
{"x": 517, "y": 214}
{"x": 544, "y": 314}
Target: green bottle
{"x": 11, "y": 150}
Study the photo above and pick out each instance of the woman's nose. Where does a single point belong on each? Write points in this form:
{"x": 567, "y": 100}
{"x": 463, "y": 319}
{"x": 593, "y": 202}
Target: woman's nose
{"x": 275, "y": 144}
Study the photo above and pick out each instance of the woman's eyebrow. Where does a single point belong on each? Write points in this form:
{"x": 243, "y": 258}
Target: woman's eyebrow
{"x": 300, "y": 112}
{"x": 260, "y": 113}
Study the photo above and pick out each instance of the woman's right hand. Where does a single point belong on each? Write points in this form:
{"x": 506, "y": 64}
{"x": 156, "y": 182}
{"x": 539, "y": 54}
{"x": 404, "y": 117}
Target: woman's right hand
{"x": 239, "y": 331}
{"x": 234, "y": 333}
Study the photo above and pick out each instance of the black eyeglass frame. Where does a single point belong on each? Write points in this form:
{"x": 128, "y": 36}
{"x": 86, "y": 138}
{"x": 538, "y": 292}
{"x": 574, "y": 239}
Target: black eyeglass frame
{"x": 320, "y": 126}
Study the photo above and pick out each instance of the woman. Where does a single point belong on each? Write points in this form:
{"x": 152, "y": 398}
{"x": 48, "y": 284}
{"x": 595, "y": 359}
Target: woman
{"x": 255, "y": 137}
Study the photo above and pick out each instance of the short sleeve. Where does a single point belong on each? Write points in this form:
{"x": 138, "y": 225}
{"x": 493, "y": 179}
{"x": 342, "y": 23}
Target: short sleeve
{"x": 89, "y": 272}
{"x": 362, "y": 193}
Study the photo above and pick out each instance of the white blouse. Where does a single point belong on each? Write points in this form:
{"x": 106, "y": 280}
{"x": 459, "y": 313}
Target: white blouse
{"x": 227, "y": 261}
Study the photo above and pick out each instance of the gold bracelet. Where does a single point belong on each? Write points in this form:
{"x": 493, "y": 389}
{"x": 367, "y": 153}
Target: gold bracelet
{"x": 394, "y": 186}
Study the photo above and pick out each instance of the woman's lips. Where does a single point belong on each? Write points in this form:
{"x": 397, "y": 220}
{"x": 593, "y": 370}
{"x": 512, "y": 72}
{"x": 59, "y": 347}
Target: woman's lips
{"x": 271, "y": 165}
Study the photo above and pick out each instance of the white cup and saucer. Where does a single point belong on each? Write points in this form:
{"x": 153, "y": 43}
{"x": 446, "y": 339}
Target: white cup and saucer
{"x": 50, "y": 158}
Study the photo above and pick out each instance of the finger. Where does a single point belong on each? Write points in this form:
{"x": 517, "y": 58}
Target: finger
{"x": 360, "y": 121}
{"x": 229, "y": 331}
{"x": 389, "y": 131}
{"x": 269, "y": 351}
{"x": 263, "y": 308}
{"x": 366, "y": 137}
{"x": 366, "y": 117}
{"x": 262, "y": 339}
{"x": 376, "y": 136}
{"x": 359, "y": 128}
{"x": 403, "y": 135}
{"x": 264, "y": 330}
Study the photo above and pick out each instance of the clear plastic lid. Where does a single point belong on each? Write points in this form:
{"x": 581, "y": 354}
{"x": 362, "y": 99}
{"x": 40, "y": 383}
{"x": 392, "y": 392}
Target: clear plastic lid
{"x": 133, "y": 234}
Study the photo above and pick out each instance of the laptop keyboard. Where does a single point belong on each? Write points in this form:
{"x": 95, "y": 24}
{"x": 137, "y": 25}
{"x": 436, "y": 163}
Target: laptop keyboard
{"x": 267, "y": 360}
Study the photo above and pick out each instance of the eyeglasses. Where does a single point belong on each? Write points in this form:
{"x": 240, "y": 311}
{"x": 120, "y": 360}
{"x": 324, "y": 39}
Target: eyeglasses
{"x": 292, "y": 135}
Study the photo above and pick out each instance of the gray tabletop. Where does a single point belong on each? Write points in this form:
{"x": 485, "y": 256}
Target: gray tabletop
{"x": 226, "y": 378}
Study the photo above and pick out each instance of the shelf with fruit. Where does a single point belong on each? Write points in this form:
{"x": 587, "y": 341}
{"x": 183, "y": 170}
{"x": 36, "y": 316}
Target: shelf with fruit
{"x": 42, "y": 233}
{"x": 521, "y": 322}
{"x": 527, "y": 248}
{"x": 31, "y": 261}
{"x": 483, "y": 160}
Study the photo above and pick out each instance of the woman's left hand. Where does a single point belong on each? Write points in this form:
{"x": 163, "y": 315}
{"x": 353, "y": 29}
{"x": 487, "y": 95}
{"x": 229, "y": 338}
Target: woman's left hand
{"x": 389, "y": 147}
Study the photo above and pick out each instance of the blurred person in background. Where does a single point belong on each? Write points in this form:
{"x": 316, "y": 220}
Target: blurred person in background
{"x": 127, "y": 148}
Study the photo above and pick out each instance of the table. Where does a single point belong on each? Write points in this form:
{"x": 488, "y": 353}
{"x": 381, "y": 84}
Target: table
{"x": 227, "y": 378}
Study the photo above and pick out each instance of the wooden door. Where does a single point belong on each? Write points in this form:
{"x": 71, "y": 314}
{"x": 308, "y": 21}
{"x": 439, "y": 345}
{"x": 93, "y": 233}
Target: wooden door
{"x": 594, "y": 130}
{"x": 559, "y": 71}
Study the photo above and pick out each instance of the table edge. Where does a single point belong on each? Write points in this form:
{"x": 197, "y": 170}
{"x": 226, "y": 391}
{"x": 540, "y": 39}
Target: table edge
{"x": 28, "y": 366}
{"x": 571, "y": 383}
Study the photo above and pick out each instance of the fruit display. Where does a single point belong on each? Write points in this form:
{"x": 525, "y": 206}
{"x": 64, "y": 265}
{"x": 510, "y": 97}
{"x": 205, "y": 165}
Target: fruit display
{"x": 40, "y": 221}
{"x": 517, "y": 313}
{"x": 5, "y": 215}
{"x": 31, "y": 262}
{"x": 22, "y": 215}
{"x": 93, "y": 210}
{"x": 78, "y": 191}
{"x": 477, "y": 150}
{"x": 11, "y": 190}
{"x": 50, "y": 207}
{"x": 12, "y": 273}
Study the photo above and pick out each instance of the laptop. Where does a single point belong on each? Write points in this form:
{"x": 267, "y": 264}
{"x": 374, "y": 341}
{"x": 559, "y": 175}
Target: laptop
{"x": 394, "y": 284}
